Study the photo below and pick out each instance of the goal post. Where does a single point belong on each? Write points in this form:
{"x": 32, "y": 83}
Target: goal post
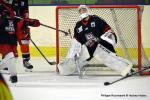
{"x": 124, "y": 20}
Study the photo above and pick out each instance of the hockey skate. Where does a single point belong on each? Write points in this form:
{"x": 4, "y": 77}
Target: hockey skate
{"x": 5, "y": 68}
{"x": 14, "y": 79}
{"x": 28, "y": 66}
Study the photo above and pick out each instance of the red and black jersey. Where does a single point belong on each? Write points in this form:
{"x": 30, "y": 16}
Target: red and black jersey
{"x": 8, "y": 31}
{"x": 21, "y": 8}
{"x": 11, "y": 27}
{"x": 87, "y": 31}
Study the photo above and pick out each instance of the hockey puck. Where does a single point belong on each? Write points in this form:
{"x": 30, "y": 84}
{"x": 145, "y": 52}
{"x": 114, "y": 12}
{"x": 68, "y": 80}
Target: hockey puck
{"x": 106, "y": 83}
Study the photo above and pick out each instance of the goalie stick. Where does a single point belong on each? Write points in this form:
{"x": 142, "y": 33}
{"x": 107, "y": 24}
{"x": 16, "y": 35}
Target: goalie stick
{"x": 127, "y": 76}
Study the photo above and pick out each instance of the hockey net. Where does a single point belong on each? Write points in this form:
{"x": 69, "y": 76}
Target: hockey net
{"x": 124, "y": 20}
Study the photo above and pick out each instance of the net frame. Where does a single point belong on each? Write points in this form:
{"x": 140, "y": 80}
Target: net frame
{"x": 140, "y": 47}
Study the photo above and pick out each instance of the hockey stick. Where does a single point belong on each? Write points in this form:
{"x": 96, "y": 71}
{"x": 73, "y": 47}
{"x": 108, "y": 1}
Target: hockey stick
{"x": 51, "y": 63}
{"x": 66, "y": 33}
{"x": 127, "y": 76}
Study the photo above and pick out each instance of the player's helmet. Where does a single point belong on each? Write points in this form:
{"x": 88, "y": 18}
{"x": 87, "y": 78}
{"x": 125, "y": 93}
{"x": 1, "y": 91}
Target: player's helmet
{"x": 84, "y": 11}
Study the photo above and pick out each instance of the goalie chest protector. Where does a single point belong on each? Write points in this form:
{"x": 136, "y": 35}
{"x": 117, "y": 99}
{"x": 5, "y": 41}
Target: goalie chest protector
{"x": 85, "y": 31}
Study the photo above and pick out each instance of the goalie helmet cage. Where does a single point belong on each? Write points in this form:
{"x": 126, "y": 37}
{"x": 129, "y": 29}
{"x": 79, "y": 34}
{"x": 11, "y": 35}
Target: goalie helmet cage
{"x": 124, "y": 20}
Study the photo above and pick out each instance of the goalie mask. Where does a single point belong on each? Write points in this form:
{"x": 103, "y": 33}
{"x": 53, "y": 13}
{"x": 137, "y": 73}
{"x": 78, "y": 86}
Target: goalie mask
{"x": 84, "y": 11}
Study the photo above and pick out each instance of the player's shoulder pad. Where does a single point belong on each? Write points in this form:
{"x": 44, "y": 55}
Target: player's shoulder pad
{"x": 96, "y": 17}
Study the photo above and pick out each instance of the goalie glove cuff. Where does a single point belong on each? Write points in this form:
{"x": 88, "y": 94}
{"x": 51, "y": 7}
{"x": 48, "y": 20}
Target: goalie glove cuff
{"x": 109, "y": 37}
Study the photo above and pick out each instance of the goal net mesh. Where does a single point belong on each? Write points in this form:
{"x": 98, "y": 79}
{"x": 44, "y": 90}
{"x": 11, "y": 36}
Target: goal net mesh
{"x": 124, "y": 20}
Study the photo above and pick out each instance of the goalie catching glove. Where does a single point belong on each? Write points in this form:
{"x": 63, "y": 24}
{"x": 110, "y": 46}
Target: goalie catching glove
{"x": 110, "y": 37}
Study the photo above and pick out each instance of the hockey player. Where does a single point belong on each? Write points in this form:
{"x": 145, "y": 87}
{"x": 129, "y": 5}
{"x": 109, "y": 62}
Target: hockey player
{"x": 93, "y": 37}
{"x": 10, "y": 28}
{"x": 21, "y": 9}
{"x": 8, "y": 40}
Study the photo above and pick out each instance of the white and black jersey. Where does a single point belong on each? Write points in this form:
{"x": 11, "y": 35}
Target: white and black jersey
{"x": 86, "y": 31}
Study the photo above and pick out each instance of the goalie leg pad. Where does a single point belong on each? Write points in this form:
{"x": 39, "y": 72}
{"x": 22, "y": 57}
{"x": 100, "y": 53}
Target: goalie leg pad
{"x": 84, "y": 54}
{"x": 67, "y": 67}
{"x": 111, "y": 60}
{"x": 74, "y": 49}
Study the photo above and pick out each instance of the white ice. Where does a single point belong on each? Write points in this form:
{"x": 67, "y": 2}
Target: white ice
{"x": 45, "y": 84}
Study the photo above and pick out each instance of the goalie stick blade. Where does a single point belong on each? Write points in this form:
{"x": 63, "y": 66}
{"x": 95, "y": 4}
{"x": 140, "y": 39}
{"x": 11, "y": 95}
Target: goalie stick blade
{"x": 129, "y": 75}
{"x": 109, "y": 83}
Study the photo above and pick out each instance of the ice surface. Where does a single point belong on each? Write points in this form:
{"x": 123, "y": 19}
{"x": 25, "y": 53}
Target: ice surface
{"x": 45, "y": 84}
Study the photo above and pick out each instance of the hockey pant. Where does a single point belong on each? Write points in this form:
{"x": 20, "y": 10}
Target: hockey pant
{"x": 110, "y": 59}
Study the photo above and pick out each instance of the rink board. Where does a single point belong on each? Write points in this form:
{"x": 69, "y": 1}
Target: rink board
{"x": 51, "y": 51}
